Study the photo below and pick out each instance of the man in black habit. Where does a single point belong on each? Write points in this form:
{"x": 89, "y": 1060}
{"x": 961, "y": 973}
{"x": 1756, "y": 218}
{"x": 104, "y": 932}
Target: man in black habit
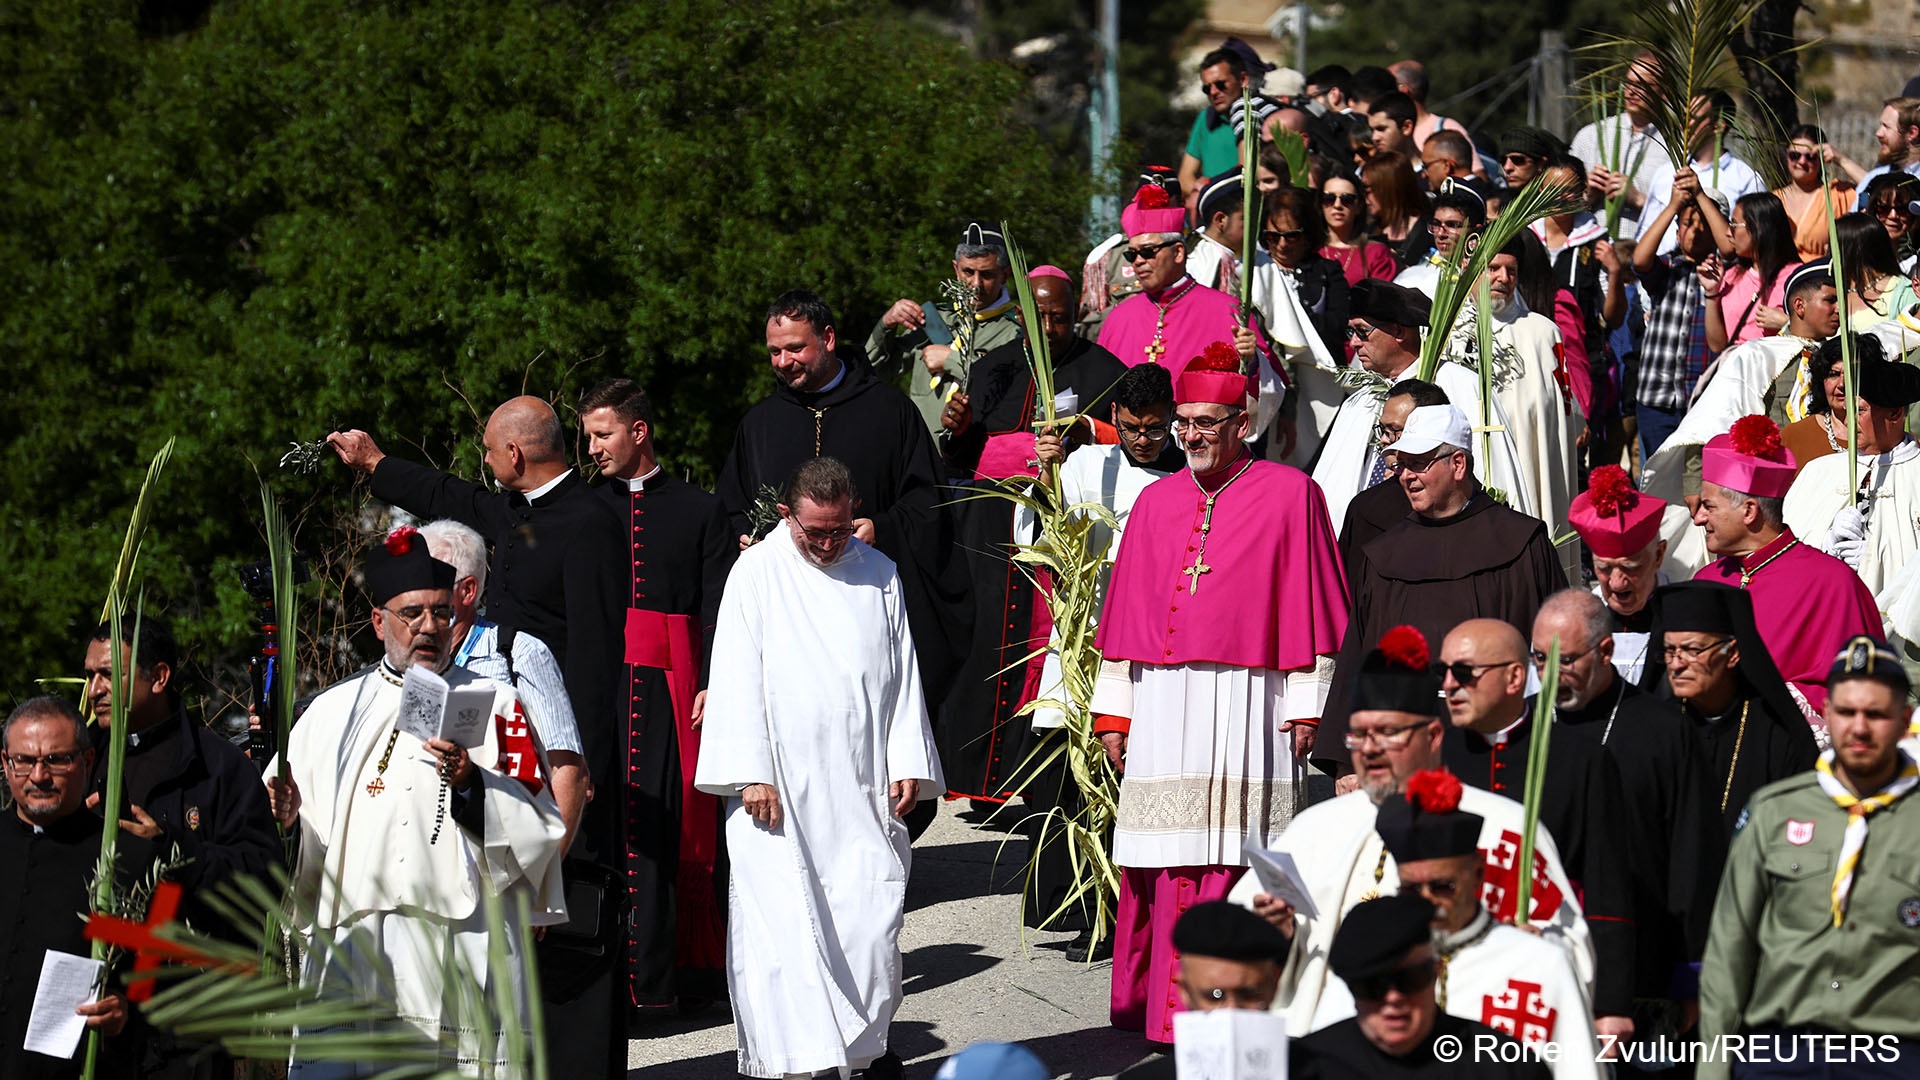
{"x": 989, "y": 436}
{"x": 1713, "y": 663}
{"x": 1459, "y": 555}
{"x": 1674, "y": 841}
{"x": 1484, "y": 665}
{"x": 679, "y": 552}
{"x": 830, "y": 404}
{"x": 558, "y": 573}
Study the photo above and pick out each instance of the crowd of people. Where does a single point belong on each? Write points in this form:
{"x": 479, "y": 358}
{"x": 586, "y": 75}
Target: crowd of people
{"x": 1342, "y": 565}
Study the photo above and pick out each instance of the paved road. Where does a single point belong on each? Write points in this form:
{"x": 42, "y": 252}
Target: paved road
{"x": 969, "y": 975}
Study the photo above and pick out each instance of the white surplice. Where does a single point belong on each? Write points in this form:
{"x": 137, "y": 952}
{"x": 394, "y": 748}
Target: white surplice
{"x": 1344, "y": 862}
{"x": 1290, "y": 330}
{"x": 1351, "y": 448}
{"x": 402, "y": 910}
{"x": 1100, "y": 476}
{"x": 1545, "y": 421}
{"x": 1736, "y": 388}
{"x": 1512, "y": 981}
{"x": 1892, "y": 508}
{"x": 816, "y": 692}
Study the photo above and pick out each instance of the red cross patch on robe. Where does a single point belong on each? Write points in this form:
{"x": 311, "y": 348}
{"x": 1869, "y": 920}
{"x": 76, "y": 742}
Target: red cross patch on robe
{"x": 519, "y": 757}
{"x": 1520, "y": 1012}
{"x": 1501, "y": 892}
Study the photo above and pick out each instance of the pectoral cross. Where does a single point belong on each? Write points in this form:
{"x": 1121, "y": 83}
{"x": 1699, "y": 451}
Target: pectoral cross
{"x": 1155, "y": 350}
{"x": 1193, "y": 574}
{"x": 376, "y": 786}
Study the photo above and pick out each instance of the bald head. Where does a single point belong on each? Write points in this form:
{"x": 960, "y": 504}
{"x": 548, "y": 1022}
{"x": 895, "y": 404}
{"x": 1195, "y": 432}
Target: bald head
{"x": 1055, "y": 303}
{"x": 526, "y": 447}
{"x": 1486, "y": 677}
{"x": 1583, "y": 626}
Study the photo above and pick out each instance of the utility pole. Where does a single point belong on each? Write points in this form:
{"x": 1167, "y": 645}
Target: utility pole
{"x": 1103, "y": 125}
{"x": 1553, "y": 89}
{"x": 1300, "y": 16}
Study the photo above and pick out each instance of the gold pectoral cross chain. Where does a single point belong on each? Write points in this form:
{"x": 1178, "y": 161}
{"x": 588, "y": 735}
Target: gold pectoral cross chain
{"x": 1192, "y": 573}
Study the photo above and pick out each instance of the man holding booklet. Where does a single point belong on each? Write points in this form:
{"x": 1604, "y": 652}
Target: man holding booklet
{"x": 416, "y": 788}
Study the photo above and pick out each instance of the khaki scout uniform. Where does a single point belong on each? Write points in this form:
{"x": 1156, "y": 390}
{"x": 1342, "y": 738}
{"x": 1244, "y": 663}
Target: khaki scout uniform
{"x": 1773, "y": 954}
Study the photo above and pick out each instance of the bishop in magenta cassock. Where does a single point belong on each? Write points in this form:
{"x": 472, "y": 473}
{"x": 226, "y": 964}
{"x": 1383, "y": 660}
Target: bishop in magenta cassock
{"x": 1806, "y": 603}
{"x": 1227, "y": 605}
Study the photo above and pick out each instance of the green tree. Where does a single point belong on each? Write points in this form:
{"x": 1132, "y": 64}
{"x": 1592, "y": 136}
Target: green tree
{"x": 305, "y": 214}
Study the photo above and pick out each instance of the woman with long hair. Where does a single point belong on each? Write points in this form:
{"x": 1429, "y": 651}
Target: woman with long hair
{"x": 1344, "y": 210}
{"x": 1876, "y": 289}
{"x": 1801, "y": 196}
{"x": 1397, "y": 207}
{"x": 1889, "y": 201}
{"x": 1749, "y": 299}
{"x": 1304, "y": 293}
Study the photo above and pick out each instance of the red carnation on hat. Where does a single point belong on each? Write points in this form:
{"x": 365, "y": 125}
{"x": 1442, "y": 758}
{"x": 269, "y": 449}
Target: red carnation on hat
{"x": 1405, "y": 647}
{"x": 1152, "y": 197}
{"x": 1756, "y": 436}
{"x": 1434, "y": 791}
{"x": 400, "y": 540}
{"x": 1610, "y": 490}
{"x": 1219, "y": 356}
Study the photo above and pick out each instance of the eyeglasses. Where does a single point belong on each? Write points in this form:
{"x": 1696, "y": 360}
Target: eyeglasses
{"x": 1205, "y": 425}
{"x": 1135, "y": 254}
{"x": 1360, "y": 332}
{"x": 57, "y": 764}
{"x": 1518, "y": 159}
{"x": 1339, "y": 198}
{"x": 1155, "y": 433}
{"x": 1436, "y": 225}
{"x": 1407, "y": 980}
{"x": 1885, "y": 209}
{"x": 1801, "y": 156}
{"x": 1439, "y": 889}
{"x": 1540, "y": 658}
{"x": 1418, "y": 463}
{"x": 1467, "y": 674}
{"x": 1221, "y": 85}
{"x": 1387, "y": 738}
{"x": 415, "y": 615}
{"x": 1270, "y": 237}
{"x": 824, "y": 536}
{"x": 1693, "y": 653}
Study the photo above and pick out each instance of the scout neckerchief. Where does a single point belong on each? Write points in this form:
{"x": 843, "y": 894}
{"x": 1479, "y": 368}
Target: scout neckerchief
{"x": 1858, "y": 810}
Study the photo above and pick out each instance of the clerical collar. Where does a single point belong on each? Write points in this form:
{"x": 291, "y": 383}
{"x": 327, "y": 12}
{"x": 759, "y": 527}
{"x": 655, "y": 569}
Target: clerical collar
{"x": 1173, "y": 292}
{"x": 1477, "y": 927}
{"x": 639, "y": 483}
{"x": 1499, "y": 738}
{"x": 1225, "y": 476}
{"x": 547, "y": 488}
{"x": 1752, "y": 562}
{"x": 143, "y": 741}
{"x": 1640, "y": 622}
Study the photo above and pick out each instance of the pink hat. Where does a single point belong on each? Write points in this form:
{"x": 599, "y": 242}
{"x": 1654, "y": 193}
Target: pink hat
{"x": 1214, "y": 378}
{"x": 1048, "y": 270}
{"x": 1750, "y": 459}
{"x": 1152, "y": 212}
{"x": 1616, "y": 521}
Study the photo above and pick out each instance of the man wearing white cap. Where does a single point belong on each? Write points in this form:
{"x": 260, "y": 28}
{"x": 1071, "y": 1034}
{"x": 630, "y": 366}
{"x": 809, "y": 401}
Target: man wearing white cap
{"x": 1460, "y": 555}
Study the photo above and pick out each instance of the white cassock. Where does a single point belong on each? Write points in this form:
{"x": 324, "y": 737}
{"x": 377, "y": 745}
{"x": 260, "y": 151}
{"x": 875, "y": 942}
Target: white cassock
{"x": 1213, "y": 264}
{"x": 1892, "y": 511}
{"x": 1290, "y": 330}
{"x": 1344, "y": 862}
{"x": 404, "y": 911}
{"x": 1545, "y": 421}
{"x": 1512, "y": 981}
{"x": 1100, "y": 476}
{"x": 1423, "y": 275}
{"x": 1735, "y": 387}
{"x": 816, "y": 692}
{"x": 1351, "y": 449}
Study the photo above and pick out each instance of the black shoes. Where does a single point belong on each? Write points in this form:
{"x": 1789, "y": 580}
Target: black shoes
{"x": 1081, "y": 947}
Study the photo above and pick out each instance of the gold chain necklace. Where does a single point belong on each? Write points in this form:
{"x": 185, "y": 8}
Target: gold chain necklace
{"x": 1746, "y": 576}
{"x": 1379, "y": 873}
{"x": 1206, "y": 526}
{"x": 377, "y": 784}
{"x": 1157, "y": 348}
{"x": 1739, "y": 737}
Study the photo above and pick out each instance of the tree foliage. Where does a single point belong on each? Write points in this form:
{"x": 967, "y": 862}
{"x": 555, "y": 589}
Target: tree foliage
{"x": 302, "y": 214}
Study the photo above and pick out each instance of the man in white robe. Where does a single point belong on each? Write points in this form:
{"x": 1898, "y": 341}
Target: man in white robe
{"x": 1395, "y": 730}
{"x": 1876, "y": 528}
{"x": 817, "y": 737}
{"x": 1530, "y": 384}
{"x": 1386, "y": 324}
{"x": 405, "y": 845}
{"x": 1489, "y": 972}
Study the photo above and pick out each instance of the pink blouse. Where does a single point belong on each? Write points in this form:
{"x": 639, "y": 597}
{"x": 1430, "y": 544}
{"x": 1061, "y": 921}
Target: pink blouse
{"x": 1737, "y": 290}
{"x": 1370, "y": 260}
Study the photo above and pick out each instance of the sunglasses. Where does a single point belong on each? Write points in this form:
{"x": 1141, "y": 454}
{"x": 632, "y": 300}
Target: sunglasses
{"x": 1884, "y": 209}
{"x": 1518, "y": 159}
{"x": 1407, "y": 980}
{"x": 1221, "y": 85}
{"x": 1134, "y": 254}
{"x": 1270, "y": 237}
{"x": 1802, "y": 157}
{"x": 1464, "y": 673}
{"x": 1439, "y": 889}
{"x": 1341, "y": 198}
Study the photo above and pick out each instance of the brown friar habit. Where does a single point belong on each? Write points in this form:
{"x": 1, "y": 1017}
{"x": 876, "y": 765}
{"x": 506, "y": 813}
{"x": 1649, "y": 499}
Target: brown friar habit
{"x": 983, "y": 744}
{"x": 1369, "y": 514}
{"x": 679, "y": 551}
{"x": 1487, "y": 561}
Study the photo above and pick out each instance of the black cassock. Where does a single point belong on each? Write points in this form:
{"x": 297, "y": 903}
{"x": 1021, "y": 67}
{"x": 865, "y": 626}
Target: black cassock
{"x": 1675, "y": 843}
{"x": 1581, "y": 805}
{"x": 679, "y": 549}
{"x": 1485, "y": 562}
{"x": 1755, "y": 742}
{"x": 558, "y": 573}
{"x": 1370, "y": 514}
{"x": 40, "y": 910}
{"x": 982, "y": 743}
{"x": 878, "y": 434}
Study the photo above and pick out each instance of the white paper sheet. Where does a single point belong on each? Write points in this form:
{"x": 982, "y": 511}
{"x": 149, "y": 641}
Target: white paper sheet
{"x": 1280, "y": 878}
{"x": 66, "y": 983}
{"x": 1230, "y": 1044}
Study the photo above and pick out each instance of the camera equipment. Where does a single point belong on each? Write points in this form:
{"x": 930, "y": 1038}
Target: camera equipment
{"x": 257, "y": 579}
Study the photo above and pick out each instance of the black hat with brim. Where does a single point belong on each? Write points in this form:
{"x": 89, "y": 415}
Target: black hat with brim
{"x": 1376, "y": 936}
{"x": 1227, "y": 931}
